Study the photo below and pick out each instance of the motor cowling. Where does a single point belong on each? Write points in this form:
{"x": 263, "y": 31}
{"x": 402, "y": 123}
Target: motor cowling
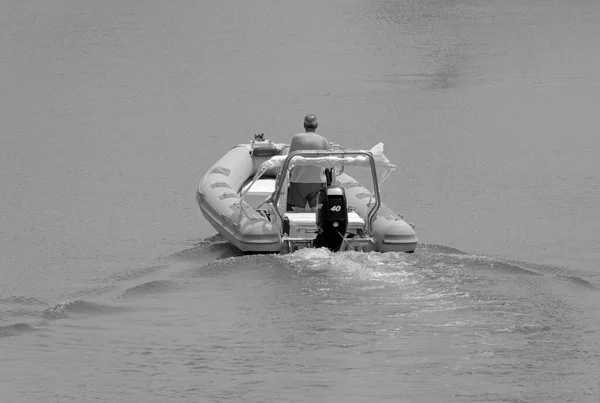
{"x": 332, "y": 217}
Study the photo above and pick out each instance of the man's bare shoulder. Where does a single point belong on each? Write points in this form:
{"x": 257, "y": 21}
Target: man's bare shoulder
{"x": 309, "y": 135}
{"x": 308, "y": 141}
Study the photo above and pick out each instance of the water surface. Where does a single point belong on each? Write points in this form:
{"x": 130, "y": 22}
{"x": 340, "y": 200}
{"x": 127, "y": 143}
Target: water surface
{"x": 112, "y": 286}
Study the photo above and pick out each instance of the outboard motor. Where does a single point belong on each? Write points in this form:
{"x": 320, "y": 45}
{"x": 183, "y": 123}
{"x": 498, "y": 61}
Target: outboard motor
{"x": 332, "y": 217}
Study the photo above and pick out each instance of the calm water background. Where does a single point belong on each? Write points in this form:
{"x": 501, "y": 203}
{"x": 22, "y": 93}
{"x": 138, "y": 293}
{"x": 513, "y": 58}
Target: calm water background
{"x": 112, "y": 289}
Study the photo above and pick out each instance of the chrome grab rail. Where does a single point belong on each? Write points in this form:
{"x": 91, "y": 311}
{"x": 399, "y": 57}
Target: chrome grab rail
{"x": 306, "y": 153}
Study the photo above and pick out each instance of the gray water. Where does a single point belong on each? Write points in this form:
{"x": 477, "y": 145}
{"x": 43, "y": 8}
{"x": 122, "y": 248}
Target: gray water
{"x": 114, "y": 288}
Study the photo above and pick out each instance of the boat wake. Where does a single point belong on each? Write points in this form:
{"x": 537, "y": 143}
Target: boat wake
{"x": 16, "y": 329}
{"x": 150, "y": 287}
{"x": 79, "y": 307}
{"x": 436, "y": 278}
{"x": 27, "y": 319}
{"x": 433, "y": 264}
{"x": 214, "y": 247}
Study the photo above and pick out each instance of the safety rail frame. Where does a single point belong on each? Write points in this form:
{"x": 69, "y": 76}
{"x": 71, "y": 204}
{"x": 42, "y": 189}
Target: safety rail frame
{"x": 324, "y": 153}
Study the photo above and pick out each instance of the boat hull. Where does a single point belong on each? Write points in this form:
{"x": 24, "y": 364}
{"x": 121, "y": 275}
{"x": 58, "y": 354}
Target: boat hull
{"x": 220, "y": 203}
{"x": 249, "y": 230}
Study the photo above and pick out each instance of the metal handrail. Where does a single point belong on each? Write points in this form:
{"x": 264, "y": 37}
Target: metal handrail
{"x": 318, "y": 153}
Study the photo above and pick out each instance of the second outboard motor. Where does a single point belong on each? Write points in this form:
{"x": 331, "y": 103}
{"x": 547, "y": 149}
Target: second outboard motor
{"x": 332, "y": 217}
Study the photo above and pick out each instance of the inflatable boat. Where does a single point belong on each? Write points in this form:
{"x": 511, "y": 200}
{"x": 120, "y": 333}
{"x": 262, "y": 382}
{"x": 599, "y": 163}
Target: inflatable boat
{"x": 243, "y": 196}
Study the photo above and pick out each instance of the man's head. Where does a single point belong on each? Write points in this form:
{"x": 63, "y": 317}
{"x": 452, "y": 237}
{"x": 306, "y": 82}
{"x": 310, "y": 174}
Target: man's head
{"x": 310, "y": 123}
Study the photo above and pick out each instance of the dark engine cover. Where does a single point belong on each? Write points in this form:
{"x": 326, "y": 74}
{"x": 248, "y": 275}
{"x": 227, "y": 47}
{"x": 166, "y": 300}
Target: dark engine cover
{"x": 332, "y": 217}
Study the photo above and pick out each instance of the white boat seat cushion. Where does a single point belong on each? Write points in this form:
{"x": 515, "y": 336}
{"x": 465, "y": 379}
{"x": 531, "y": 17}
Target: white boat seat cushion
{"x": 260, "y": 190}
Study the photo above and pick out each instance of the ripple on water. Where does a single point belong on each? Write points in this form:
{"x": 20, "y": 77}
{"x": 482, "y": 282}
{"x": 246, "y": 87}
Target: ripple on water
{"x": 79, "y": 307}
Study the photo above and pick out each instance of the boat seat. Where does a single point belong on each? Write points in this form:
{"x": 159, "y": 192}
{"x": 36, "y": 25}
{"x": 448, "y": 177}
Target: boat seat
{"x": 260, "y": 190}
{"x": 304, "y": 225}
{"x": 355, "y": 223}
